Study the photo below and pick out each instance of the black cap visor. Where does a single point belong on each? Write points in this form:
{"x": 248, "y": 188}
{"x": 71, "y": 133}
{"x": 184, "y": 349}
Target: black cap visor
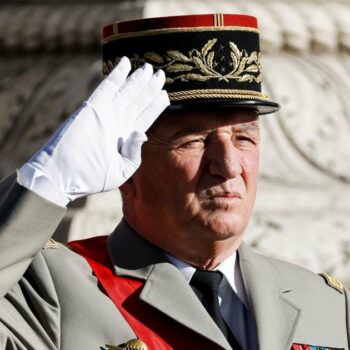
{"x": 262, "y": 107}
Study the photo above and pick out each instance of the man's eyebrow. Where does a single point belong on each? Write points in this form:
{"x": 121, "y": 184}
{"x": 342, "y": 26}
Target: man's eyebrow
{"x": 247, "y": 127}
{"x": 190, "y": 130}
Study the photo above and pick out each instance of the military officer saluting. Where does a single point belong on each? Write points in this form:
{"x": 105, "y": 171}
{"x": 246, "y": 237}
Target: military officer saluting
{"x": 183, "y": 147}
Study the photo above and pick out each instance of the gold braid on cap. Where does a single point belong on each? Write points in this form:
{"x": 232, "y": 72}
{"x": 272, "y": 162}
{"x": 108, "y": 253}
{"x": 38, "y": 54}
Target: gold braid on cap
{"x": 217, "y": 93}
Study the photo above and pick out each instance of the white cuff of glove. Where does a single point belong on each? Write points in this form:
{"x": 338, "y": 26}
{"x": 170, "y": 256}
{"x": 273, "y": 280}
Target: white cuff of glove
{"x": 39, "y": 183}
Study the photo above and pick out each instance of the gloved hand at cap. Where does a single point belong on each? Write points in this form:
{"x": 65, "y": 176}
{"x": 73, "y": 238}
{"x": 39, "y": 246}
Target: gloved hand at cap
{"x": 99, "y": 147}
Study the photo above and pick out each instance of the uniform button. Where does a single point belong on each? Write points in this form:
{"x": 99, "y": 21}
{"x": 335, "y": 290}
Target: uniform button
{"x": 133, "y": 344}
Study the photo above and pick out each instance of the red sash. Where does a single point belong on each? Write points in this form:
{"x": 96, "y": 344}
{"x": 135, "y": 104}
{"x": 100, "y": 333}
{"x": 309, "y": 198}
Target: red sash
{"x": 151, "y": 326}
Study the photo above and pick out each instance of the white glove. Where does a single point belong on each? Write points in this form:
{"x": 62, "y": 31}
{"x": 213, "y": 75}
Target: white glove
{"x": 99, "y": 147}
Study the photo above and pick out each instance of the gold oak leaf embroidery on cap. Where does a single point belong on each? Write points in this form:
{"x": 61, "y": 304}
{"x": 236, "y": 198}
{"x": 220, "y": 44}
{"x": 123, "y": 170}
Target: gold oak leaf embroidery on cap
{"x": 199, "y": 65}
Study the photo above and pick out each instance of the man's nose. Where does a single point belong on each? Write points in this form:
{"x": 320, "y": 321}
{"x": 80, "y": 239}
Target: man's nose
{"x": 224, "y": 159}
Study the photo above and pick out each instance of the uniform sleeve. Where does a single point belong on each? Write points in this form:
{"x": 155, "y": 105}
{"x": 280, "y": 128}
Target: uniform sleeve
{"x": 27, "y": 221}
{"x": 8, "y": 341}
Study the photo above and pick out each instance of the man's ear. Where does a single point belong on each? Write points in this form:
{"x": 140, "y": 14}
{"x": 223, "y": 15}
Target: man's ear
{"x": 127, "y": 189}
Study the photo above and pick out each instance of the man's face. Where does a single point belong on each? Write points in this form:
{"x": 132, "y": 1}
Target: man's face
{"x": 197, "y": 180}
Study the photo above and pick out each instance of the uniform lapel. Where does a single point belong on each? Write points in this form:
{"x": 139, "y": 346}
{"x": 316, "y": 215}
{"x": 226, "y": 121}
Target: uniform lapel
{"x": 165, "y": 288}
{"x": 269, "y": 297}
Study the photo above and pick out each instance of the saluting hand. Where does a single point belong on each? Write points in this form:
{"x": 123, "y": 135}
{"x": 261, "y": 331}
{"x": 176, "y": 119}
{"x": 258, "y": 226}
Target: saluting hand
{"x": 99, "y": 147}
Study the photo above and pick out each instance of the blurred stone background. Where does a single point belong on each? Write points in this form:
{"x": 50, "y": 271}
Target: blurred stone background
{"x": 50, "y": 62}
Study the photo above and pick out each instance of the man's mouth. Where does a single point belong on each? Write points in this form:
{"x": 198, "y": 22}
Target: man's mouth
{"x": 228, "y": 195}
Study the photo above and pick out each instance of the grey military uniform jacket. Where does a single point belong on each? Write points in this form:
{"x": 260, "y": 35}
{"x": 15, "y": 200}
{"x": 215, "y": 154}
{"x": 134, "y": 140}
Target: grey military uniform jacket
{"x": 50, "y": 299}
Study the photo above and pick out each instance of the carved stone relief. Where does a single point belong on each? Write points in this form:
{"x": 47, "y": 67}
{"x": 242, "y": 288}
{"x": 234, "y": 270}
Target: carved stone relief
{"x": 314, "y": 123}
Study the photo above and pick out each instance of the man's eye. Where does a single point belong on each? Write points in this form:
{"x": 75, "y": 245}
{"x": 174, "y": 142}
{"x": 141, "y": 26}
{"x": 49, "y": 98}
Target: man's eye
{"x": 198, "y": 141}
{"x": 194, "y": 143}
{"x": 245, "y": 139}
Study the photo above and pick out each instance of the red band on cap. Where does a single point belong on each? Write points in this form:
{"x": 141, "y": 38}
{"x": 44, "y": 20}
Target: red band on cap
{"x": 107, "y": 31}
{"x": 191, "y": 21}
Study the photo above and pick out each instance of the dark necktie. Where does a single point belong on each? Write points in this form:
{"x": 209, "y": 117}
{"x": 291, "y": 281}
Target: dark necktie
{"x": 206, "y": 286}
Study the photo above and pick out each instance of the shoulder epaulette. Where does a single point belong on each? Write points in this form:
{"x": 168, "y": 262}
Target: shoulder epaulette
{"x": 333, "y": 282}
{"x": 51, "y": 244}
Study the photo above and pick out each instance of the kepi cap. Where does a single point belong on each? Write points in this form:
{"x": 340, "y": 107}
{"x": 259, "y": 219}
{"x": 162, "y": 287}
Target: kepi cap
{"x": 211, "y": 60}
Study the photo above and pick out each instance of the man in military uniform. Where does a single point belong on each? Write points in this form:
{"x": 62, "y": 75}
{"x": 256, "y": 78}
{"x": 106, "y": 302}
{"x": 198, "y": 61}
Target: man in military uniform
{"x": 174, "y": 274}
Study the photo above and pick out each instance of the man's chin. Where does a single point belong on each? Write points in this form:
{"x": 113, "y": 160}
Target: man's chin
{"x": 222, "y": 227}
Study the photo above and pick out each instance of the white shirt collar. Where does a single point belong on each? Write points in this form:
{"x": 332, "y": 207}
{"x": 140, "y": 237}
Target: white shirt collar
{"x": 229, "y": 267}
